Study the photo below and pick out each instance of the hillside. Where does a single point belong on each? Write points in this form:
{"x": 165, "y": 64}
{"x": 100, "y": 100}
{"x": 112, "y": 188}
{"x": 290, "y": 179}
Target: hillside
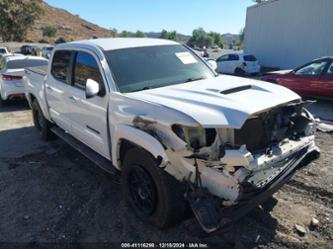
{"x": 69, "y": 26}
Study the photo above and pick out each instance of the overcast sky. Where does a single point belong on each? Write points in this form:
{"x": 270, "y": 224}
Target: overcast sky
{"x": 222, "y": 16}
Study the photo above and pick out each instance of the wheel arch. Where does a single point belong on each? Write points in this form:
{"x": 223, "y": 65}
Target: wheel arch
{"x": 128, "y": 137}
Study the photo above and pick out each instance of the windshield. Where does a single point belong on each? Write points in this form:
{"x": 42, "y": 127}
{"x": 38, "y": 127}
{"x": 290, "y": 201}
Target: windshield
{"x": 3, "y": 51}
{"x": 142, "y": 68}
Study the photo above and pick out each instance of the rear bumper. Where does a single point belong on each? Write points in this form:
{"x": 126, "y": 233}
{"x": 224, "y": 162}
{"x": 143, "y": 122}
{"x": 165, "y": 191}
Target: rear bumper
{"x": 214, "y": 219}
{"x": 12, "y": 90}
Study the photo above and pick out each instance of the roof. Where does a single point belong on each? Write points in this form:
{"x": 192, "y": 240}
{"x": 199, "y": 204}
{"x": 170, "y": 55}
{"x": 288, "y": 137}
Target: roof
{"x": 120, "y": 43}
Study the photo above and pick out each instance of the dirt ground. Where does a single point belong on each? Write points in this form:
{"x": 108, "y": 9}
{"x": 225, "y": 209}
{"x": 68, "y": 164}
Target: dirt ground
{"x": 51, "y": 193}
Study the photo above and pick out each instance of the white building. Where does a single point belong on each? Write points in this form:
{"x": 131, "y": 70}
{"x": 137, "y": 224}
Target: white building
{"x": 289, "y": 33}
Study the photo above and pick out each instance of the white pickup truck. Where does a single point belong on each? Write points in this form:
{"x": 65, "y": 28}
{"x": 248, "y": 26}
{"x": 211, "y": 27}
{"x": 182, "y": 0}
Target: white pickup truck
{"x": 155, "y": 114}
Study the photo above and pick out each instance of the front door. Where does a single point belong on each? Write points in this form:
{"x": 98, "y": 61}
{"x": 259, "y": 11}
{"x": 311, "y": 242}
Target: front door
{"x": 89, "y": 115}
{"x": 306, "y": 79}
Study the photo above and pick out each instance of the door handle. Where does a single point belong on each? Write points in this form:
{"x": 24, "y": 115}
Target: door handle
{"x": 49, "y": 88}
{"x": 73, "y": 99}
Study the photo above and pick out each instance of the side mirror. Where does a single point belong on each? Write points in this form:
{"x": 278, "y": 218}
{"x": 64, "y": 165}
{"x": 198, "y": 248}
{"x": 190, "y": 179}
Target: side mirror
{"x": 212, "y": 63}
{"x": 92, "y": 88}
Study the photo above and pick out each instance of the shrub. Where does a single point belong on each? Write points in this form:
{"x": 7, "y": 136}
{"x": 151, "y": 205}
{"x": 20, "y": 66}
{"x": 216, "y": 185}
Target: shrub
{"x": 49, "y": 31}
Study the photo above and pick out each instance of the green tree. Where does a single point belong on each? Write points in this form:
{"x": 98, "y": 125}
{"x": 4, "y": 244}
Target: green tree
{"x": 164, "y": 34}
{"x": 114, "y": 32}
{"x": 125, "y": 33}
{"x": 169, "y": 35}
{"x": 200, "y": 39}
{"x": 242, "y": 35}
{"x": 49, "y": 31}
{"x": 139, "y": 34}
{"x": 16, "y": 17}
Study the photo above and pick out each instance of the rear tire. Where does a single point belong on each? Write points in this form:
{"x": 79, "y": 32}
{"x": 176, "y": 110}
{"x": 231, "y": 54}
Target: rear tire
{"x": 154, "y": 196}
{"x": 3, "y": 103}
{"x": 239, "y": 72}
{"x": 41, "y": 123}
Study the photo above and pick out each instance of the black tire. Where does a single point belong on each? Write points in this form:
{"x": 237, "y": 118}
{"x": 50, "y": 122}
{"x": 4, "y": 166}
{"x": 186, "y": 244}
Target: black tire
{"x": 239, "y": 72}
{"x": 41, "y": 123}
{"x": 159, "y": 199}
{"x": 3, "y": 103}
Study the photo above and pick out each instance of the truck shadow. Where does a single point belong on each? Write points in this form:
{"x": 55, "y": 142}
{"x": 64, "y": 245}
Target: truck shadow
{"x": 54, "y": 194}
{"x": 14, "y": 105}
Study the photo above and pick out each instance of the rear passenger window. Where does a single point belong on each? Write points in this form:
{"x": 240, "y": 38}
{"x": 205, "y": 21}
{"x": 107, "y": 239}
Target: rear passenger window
{"x": 86, "y": 67}
{"x": 233, "y": 57}
{"x": 60, "y": 65}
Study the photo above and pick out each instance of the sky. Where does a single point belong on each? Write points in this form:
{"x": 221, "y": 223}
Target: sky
{"x": 224, "y": 16}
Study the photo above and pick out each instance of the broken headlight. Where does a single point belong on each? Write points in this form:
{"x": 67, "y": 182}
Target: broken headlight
{"x": 195, "y": 137}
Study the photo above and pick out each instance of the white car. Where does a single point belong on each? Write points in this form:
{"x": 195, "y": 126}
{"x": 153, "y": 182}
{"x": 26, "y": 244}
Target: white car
{"x": 46, "y": 51}
{"x": 175, "y": 133}
{"x": 3, "y": 50}
{"x": 238, "y": 64}
{"x": 11, "y": 74}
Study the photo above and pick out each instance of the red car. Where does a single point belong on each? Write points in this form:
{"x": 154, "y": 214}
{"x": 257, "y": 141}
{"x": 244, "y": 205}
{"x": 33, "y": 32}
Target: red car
{"x": 312, "y": 79}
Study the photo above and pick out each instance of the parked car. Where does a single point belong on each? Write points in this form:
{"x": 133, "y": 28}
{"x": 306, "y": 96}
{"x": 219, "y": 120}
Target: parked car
{"x": 3, "y": 50}
{"x": 46, "y": 51}
{"x": 11, "y": 74}
{"x": 28, "y": 50}
{"x": 201, "y": 52}
{"x": 312, "y": 79}
{"x": 153, "y": 113}
{"x": 238, "y": 64}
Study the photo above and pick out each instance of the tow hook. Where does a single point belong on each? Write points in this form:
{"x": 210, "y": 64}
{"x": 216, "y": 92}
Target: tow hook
{"x": 204, "y": 206}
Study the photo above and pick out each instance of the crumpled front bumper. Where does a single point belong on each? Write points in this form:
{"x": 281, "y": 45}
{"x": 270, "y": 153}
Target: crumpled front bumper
{"x": 214, "y": 218}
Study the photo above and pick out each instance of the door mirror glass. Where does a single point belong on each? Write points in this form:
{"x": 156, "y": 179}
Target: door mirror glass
{"x": 92, "y": 88}
{"x": 212, "y": 64}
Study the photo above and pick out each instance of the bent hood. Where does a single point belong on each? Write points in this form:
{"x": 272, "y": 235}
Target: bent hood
{"x": 224, "y": 101}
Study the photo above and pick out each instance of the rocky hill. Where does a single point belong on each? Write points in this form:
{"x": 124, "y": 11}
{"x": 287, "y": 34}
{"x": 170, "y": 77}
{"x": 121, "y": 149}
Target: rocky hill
{"x": 69, "y": 26}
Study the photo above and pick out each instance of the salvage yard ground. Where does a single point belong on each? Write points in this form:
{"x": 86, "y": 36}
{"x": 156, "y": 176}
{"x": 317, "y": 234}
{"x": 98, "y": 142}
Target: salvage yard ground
{"x": 51, "y": 193}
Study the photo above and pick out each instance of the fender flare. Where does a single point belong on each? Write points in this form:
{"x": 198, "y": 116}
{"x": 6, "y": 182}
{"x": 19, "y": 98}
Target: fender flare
{"x": 138, "y": 137}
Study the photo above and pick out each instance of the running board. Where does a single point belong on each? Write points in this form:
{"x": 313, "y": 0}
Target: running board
{"x": 93, "y": 156}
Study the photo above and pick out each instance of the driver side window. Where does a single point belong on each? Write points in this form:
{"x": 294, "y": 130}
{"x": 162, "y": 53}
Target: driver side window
{"x": 86, "y": 67}
{"x": 313, "y": 69}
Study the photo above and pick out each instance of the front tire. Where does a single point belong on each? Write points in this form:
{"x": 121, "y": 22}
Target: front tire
{"x": 154, "y": 196}
{"x": 41, "y": 123}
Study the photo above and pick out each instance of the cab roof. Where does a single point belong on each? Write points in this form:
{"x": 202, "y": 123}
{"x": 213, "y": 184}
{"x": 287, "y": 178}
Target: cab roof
{"x": 121, "y": 43}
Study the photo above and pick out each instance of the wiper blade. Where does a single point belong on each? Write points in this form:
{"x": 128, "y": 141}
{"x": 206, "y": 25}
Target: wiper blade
{"x": 145, "y": 88}
{"x": 194, "y": 79}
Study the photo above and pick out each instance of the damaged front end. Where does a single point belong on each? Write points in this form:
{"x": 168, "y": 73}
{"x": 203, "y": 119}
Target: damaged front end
{"x": 229, "y": 171}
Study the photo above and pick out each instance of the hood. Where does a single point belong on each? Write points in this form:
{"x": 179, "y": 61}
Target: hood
{"x": 224, "y": 101}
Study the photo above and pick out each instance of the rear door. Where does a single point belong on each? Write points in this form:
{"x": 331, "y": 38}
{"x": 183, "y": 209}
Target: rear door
{"x": 89, "y": 115}
{"x": 58, "y": 89}
{"x": 228, "y": 63}
{"x": 233, "y": 63}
